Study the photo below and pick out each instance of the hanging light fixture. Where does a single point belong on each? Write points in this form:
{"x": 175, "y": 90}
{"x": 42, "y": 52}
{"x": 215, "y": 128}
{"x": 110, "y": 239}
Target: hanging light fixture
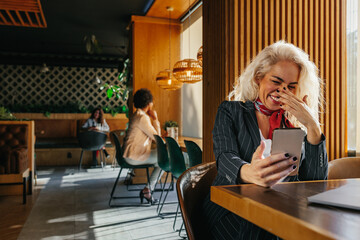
{"x": 165, "y": 79}
{"x": 200, "y": 56}
{"x": 188, "y": 70}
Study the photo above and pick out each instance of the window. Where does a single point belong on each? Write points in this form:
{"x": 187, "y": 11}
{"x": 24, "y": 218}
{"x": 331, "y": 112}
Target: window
{"x": 352, "y": 79}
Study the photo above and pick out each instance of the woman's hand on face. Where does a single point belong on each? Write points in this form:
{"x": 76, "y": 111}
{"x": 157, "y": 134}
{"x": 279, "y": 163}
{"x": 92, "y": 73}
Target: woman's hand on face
{"x": 297, "y": 108}
{"x": 152, "y": 114}
{"x": 302, "y": 112}
{"x": 267, "y": 171}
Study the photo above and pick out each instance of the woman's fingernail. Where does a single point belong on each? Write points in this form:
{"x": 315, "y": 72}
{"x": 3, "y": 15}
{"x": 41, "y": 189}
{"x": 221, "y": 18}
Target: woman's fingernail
{"x": 287, "y": 155}
{"x": 294, "y": 166}
{"x": 295, "y": 158}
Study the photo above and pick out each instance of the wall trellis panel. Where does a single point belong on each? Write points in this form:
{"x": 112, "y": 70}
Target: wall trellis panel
{"x": 25, "y": 85}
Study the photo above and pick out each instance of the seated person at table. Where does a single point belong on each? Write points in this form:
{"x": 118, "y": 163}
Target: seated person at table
{"x": 143, "y": 125}
{"x": 279, "y": 88}
{"x": 97, "y": 122}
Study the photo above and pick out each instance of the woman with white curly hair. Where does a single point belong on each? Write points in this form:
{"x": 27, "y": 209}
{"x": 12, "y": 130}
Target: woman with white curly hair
{"x": 279, "y": 88}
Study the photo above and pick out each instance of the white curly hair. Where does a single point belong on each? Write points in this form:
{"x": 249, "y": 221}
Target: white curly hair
{"x": 246, "y": 87}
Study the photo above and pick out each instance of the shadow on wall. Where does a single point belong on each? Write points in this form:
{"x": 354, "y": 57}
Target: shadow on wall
{"x": 191, "y": 114}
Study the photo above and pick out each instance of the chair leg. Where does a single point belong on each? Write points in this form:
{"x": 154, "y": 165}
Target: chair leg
{"x": 181, "y": 228}
{"x": 113, "y": 189}
{"x": 101, "y": 154}
{"x": 30, "y": 182}
{"x": 81, "y": 158}
{"x": 148, "y": 179}
{"x": 177, "y": 210}
{"x": 24, "y": 190}
{"x": 162, "y": 191}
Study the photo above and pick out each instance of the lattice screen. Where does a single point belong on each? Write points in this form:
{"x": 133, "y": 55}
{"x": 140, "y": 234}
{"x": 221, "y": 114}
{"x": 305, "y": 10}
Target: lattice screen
{"x": 26, "y": 85}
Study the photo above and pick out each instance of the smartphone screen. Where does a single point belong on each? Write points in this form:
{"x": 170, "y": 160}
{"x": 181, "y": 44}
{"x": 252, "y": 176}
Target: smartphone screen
{"x": 288, "y": 140}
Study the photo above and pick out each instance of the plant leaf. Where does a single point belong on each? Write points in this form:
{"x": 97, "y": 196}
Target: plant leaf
{"x": 109, "y": 93}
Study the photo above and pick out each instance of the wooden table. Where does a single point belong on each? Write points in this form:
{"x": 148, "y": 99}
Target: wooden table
{"x": 284, "y": 211}
{"x": 181, "y": 139}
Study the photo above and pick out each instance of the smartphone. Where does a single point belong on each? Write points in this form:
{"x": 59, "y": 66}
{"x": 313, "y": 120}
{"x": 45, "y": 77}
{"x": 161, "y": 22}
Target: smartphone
{"x": 288, "y": 140}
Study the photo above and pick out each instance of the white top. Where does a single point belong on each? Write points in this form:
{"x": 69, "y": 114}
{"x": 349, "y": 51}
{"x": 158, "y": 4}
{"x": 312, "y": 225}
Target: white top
{"x": 92, "y": 123}
{"x": 268, "y": 143}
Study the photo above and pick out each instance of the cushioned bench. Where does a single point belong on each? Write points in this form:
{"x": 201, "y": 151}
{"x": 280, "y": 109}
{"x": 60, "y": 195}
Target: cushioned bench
{"x": 60, "y": 143}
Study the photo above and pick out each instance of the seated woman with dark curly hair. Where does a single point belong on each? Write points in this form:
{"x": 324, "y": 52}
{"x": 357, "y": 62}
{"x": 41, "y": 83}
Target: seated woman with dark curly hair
{"x": 143, "y": 125}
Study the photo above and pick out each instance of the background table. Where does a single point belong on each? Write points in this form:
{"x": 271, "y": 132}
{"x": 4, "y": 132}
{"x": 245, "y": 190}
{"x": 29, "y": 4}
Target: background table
{"x": 284, "y": 211}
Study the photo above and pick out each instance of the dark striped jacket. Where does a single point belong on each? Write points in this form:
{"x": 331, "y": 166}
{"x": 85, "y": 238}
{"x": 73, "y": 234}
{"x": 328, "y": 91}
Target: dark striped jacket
{"x": 236, "y": 136}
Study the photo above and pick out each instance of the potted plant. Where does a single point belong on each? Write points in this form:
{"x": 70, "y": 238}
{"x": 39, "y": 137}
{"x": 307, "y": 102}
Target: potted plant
{"x": 172, "y": 129}
{"x": 5, "y": 114}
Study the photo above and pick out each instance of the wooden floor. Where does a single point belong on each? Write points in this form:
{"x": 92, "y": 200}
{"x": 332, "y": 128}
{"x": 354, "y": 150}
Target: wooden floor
{"x": 13, "y": 213}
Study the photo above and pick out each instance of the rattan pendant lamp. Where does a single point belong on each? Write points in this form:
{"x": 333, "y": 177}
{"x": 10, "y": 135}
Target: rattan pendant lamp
{"x": 188, "y": 70}
{"x": 200, "y": 56}
{"x": 165, "y": 79}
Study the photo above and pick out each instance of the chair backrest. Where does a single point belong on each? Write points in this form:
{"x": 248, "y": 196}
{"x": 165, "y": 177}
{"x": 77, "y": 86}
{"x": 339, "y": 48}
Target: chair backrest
{"x": 176, "y": 157}
{"x": 120, "y": 134}
{"x": 119, "y": 152}
{"x": 194, "y": 152}
{"x": 92, "y": 140}
{"x": 348, "y": 167}
{"x": 162, "y": 154}
{"x": 192, "y": 188}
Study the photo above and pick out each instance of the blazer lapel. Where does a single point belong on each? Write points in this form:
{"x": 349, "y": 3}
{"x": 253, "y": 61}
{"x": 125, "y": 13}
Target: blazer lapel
{"x": 252, "y": 125}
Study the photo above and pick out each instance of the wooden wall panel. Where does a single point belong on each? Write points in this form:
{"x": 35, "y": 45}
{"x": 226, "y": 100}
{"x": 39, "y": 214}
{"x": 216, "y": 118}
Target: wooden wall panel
{"x": 150, "y": 44}
{"x": 316, "y": 26}
{"x": 158, "y": 9}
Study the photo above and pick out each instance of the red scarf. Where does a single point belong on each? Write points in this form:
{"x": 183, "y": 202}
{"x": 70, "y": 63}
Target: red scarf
{"x": 275, "y": 117}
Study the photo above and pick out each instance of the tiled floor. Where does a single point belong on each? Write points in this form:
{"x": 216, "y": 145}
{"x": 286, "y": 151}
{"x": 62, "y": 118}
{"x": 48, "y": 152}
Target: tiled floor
{"x": 74, "y": 205}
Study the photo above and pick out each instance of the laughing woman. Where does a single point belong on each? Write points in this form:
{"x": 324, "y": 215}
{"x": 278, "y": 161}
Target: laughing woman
{"x": 279, "y": 88}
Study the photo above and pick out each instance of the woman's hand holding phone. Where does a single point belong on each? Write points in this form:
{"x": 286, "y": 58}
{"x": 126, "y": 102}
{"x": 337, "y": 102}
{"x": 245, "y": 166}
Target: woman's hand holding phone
{"x": 267, "y": 171}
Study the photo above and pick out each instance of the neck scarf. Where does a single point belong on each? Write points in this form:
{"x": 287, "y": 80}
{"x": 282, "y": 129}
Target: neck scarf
{"x": 276, "y": 117}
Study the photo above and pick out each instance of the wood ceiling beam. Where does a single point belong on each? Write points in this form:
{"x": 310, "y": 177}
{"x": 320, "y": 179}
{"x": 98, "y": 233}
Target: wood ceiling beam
{"x": 3, "y": 19}
{"x": 18, "y": 11}
{"x": 20, "y": 18}
{"x": 158, "y": 9}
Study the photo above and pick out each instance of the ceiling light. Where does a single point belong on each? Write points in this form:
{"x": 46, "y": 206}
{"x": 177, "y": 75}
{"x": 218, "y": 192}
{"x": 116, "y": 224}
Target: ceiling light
{"x": 44, "y": 69}
{"x": 188, "y": 70}
{"x": 165, "y": 79}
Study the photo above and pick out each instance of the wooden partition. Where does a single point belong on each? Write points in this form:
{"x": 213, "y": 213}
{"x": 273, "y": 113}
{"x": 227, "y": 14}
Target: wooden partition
{"x": 17, "y": 189}
{"x": 150, "y": 55}
{"x": 235, "y": 31}
{"x": 56, "y": 137}
{"x": 67, "y": 125}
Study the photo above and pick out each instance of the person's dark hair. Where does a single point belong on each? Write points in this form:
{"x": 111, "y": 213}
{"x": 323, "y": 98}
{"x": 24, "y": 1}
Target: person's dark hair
{"x": 101, "y": 115}
{"x": 142, "y": 98}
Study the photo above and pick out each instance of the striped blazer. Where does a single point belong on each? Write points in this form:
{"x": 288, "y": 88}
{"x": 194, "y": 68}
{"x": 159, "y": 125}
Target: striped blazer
{"x": 236, "y": 136}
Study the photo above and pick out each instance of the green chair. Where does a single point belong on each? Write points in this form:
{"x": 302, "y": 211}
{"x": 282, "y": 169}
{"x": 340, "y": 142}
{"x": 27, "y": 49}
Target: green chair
{"x": 123, "y": 164}
{"x": 194, "y": 152}
{"x": 164, "y": 164}
{"x": 177, "y": 162}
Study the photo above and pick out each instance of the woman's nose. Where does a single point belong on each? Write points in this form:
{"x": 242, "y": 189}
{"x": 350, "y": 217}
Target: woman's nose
{"x": 283, "y": 86}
